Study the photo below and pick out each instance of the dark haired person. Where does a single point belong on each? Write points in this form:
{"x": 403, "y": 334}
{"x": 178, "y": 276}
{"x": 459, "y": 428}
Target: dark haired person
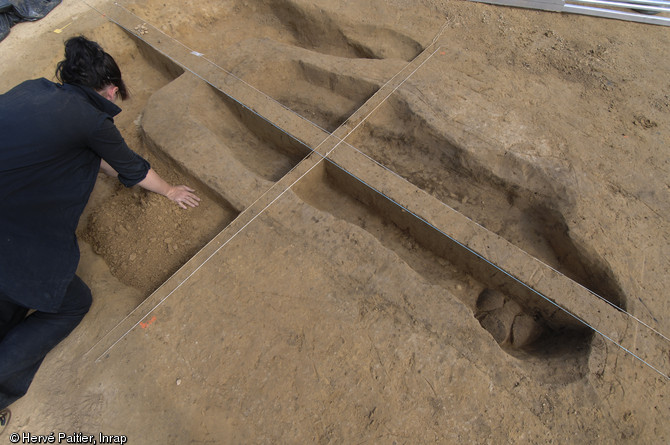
{"x": 54, "y": 139}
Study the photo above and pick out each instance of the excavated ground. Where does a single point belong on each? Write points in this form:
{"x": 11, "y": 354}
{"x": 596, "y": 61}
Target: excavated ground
{"x": 331, "y": 314}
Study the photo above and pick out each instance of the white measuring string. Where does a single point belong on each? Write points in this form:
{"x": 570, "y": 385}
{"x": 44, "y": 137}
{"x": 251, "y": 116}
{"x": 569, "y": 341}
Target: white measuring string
{"x": 211, "y": 62}
{"x": 268, "y": 97}
{"x": 191, "y": 50}
{"x": 339, "y": 141}
{"x": 501, "y": 269}
{"x": 652, "y": 329}
{"x": 322, "y": 157}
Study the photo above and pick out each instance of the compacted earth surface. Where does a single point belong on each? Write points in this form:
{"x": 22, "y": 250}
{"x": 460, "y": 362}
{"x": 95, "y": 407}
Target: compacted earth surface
{"x": 324, "y": 319}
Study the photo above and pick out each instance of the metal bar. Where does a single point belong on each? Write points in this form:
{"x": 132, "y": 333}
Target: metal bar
{"x": 546, "y": 5}
{"x": 663, "y": 3}
{"x": 561, "y": 6}
{"x": 627, "y": 5}
{"x": 621, "y": 15}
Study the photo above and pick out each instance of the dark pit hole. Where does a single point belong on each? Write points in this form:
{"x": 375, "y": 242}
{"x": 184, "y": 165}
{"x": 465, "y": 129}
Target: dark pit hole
{"x": 451, "y": 174}
{"x": 583, "y": 267}
{"x": 530, "y": 328}
{"x": 524, "y": 334}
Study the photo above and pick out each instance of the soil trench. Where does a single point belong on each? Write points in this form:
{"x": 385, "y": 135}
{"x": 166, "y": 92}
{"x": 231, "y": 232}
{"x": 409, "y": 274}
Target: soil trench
{"x": 335, "y": 316}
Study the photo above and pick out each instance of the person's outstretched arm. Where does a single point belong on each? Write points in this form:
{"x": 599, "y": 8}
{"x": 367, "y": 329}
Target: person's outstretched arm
{"x": 181, "y": 194}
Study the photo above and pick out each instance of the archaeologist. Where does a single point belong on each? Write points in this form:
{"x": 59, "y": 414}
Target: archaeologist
{"x": 54, "y": 139}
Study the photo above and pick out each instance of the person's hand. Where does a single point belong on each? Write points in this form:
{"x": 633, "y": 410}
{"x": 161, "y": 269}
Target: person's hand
{"x": 183, "y": 196}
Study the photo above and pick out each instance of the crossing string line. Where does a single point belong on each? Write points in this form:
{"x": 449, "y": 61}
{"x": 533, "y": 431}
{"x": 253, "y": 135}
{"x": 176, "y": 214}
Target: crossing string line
{"x": 324, "y": 157}
{"x": 211, "y": 62}
{"x": 576, "y": 317}
{"x": 619, "y": 309}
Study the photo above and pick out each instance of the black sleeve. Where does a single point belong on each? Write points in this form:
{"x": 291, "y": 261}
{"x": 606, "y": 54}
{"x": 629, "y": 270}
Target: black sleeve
{"x": 108, "y": 143}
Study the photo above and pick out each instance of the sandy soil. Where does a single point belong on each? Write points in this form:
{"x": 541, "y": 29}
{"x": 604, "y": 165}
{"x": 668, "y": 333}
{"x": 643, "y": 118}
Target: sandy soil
{"x": 324, "y": 321}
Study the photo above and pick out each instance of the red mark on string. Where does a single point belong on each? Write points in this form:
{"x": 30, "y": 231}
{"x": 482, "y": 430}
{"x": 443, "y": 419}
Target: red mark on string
{"x": 148, "y": 323}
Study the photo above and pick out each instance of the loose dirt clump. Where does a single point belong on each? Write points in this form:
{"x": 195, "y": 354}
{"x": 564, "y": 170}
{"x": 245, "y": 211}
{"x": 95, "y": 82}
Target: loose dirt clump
{"x": 144, "y": 238}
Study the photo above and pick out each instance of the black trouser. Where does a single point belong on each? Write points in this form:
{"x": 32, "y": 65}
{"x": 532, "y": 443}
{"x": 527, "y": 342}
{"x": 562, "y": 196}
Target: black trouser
{"x": 25, "y": 341}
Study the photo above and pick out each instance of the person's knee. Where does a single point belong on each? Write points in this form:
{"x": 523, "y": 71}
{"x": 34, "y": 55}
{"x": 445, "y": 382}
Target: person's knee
{"x": 78, "y": 298}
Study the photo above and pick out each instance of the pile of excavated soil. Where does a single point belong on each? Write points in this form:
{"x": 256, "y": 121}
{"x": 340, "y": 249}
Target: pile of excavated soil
{"x": 324, "y": 321}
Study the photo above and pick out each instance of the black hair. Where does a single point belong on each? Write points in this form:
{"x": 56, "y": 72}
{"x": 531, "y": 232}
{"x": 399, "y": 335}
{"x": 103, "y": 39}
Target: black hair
{"x": 87, "y": 64}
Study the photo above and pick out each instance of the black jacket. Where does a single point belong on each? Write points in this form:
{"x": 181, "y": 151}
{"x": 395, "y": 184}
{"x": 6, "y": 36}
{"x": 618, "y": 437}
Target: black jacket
{"x": 52, "y": 137}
